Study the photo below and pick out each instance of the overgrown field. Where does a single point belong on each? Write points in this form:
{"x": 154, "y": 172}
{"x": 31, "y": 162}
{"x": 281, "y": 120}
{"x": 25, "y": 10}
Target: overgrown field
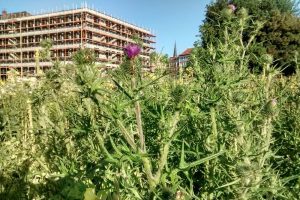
{"x": 213, "y": 131}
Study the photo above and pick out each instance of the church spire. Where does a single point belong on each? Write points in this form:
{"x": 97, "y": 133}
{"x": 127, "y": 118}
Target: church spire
{"x": 175, "y": 51}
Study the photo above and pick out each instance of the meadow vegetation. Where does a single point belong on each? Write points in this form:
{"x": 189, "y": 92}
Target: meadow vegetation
{"x": 216, "y": 130}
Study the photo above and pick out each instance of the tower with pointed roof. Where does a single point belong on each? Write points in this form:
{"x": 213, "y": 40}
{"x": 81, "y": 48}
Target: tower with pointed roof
{"x": 175, "y": 51}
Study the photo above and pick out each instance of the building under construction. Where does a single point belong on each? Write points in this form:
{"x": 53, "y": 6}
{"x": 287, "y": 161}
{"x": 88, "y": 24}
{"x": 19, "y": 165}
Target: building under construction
{"x": 69, "y": 30}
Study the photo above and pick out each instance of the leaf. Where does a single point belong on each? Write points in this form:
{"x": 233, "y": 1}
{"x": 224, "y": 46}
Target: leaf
{"x": 90, "y": 194}
{"x": 122, "y": 89}
{"x": 182, "y": 161}
{"x": 118, "y": 152}
{"x": 174, "y": 177}
{"x": 198, "y": 162}
{"x": 186, "y": 166}
{"x": 290, "y": 178}
{"x": 103, "y": 194}
{"x": 229, "y": 184}
{"x": 135, "y": 192}
{"x": 150, "y": 83}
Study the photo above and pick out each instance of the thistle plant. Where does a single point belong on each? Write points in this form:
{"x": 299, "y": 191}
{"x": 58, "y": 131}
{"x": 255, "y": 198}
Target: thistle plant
{"x": 224, "y": 133}
{"x": 131, "y": 52}
{"x": 223, "y": 73}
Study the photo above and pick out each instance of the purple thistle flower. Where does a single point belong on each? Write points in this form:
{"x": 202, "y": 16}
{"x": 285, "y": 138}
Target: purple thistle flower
{"x": 232, "y": 7}
{"x": 132, "y": 50}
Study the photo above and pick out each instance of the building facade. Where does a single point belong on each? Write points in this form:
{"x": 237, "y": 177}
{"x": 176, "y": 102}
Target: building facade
{"x": 181, "y": 60}
{"x": 21, "y": 34}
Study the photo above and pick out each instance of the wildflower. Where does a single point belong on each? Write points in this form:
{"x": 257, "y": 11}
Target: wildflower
{"x": 132, "y": 50}
{"x": 232, "y": 7}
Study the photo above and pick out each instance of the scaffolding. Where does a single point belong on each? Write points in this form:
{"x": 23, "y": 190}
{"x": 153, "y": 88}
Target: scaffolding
{"x": 69, "y": 31}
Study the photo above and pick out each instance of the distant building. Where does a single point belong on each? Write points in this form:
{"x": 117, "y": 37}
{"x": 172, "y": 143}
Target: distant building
{"x": 181, "y": 60}
{"x": 173, "y": 60}
{"x": 69, "y": 30}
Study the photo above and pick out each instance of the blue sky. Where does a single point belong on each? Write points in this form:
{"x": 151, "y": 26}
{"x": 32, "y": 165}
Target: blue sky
{"x": 170, "y": 20}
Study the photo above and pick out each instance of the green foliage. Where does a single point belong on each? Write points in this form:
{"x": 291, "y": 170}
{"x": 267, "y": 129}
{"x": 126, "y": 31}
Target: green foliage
{"x": 159, "y": 61}
{"x": 281, "y": 37}
{"x": 279, "y": 34}
{"x": 216, "y": 132}
{"x": 46, "y": 46}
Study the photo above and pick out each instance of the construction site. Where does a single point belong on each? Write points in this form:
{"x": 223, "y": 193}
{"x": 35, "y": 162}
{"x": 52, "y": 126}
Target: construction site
{"x": 21, "y": 35}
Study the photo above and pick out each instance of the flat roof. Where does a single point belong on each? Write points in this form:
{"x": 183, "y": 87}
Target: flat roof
{"x": 6, "y": 15}
{"x": 28, "y": 16}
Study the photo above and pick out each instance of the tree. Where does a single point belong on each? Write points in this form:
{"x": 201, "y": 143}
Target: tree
{"x": 279, "y": 36}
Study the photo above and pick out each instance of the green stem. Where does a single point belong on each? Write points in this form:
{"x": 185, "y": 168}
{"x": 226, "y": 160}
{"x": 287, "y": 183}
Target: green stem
{"x": 214, "y": 125}
{"x": 139, "y": 125}
{"x": 103, "y": 148}
{"x": 148, "y": 170}
{"x": 30, "y": 123}
{"x": 165, "y": 150}
{"x": 128, "y": 137}
{"x": 267, "y": 125}
{"x": 138, "y": 111}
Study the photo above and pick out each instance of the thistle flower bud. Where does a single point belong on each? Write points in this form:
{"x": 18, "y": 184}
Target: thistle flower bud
{"x": 259, "y": 24}
{"x": 273, "y": 103}
{"x": 267, "y": 58}
{"x": 271, "y": 107}
{"x": 232, "y": 7}
{"x": 227, "y": 13}
{"x": 243, "y": 13}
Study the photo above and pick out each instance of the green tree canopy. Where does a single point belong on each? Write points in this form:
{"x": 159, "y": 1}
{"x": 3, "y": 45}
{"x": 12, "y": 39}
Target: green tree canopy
{"x": 279, "y": 35}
